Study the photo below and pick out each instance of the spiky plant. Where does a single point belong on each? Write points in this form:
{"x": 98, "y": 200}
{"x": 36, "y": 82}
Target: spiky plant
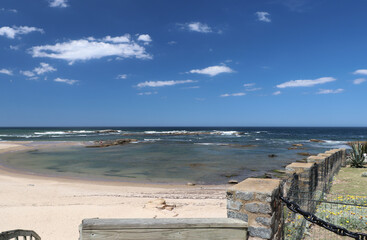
{"x": 356, "y": 155}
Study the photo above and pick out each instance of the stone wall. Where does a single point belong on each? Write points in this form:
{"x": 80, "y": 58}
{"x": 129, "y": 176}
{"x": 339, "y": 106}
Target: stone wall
{"x": 257, "y": 202}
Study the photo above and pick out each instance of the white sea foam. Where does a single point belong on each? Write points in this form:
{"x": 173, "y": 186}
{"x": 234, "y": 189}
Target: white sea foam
{"x": 152, "y": 139}
{"x": 225, "y": 133}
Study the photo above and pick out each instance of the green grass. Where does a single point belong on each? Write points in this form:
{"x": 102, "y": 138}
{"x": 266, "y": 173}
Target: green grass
{"x": 349, "y": 181}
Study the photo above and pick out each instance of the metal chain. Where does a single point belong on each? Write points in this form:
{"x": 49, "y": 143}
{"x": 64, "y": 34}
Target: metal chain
{"x": 314, "y": 219}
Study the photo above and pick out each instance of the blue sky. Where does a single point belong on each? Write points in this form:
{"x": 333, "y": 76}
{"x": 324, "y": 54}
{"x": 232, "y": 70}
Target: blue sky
{"x": 183, "y": 63}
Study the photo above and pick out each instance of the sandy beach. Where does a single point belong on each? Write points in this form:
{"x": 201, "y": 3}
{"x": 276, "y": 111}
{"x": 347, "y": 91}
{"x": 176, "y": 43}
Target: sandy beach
{"x": 54, "y": 207}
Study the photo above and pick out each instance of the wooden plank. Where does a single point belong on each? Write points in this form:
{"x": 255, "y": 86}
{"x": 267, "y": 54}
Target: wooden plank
{"x": 165, "y": 234}
{"x": 176, "y": 223}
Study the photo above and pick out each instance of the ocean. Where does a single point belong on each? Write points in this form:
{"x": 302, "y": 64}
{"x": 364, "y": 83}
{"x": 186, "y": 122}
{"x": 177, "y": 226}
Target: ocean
{"x": 170, "y": 155}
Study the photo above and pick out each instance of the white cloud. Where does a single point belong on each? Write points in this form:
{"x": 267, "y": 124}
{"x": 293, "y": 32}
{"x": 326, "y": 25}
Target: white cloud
{"x": 14, "y": 47}
{"x": 172, "y": 42}
{"x": 213, "y": 70}
{"x": 359, "y": 81}
{"x": 330, "y": 91}
{"x": 246, "y": 85}
{"x": 144, "y": 38}
{"x": 197, "y": 27}
{"x": 58, "y": 3}
{"x": 252, "y": 89}
{"x": 6, "y": 71}
{"x": 27, "y": 73}
{"x": 12, "y": 32}
{"x": 122, "y": 76}
{"x": 306, "y": 83}
{"x": 163, "y": 83}
{"x": 147, "y": 93}
{"x": 263, "y": 16}
{"x": 8, "y": 10}
{"x": 91, "y": 48}
{"x": 44, "y": 68}
{"x": 233, "y": 94}
{"x": 64, "y": 80}
{"x": 122, "y": 39}
{"x": 277, "y": 93}
{"x": 361, "y": 71}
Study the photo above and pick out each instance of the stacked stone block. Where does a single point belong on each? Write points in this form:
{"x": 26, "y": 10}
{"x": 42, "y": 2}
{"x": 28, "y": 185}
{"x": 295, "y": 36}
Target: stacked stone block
{"x": 257, "y": 202}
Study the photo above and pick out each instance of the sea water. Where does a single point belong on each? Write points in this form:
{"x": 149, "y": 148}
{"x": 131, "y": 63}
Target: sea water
{"x": 204, "y": 155}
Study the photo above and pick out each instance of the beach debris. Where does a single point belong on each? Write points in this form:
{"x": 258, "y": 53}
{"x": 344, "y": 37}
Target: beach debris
{"x": 160, "y": 204}
{"x": 108, "y": 143}
{"x": 364, "y": 174}
{"x": 272, "y": 155}
{"x": 306, "y": 154}
{"x": 317, "y": 140}
{"x": 232, "y": 181}
{"x": 190, "y": 184}
{"x": 298, "y": 144}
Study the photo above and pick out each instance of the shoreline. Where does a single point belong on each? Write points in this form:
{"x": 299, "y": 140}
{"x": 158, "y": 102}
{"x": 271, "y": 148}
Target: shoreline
{"x": 43, "y": 203}
{"x": 12, "y": 146}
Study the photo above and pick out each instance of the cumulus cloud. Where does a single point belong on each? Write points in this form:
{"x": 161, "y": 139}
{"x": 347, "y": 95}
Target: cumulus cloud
{"x": 163, "y": 83}
{"x": 361, "y": 71}
{"x": 27, "y": 73}
{"x": 330, "y": 91}
{"x": 58, "y": 3}
{"x": 144, "y": 38}
{"x": 277, "y": 93}
{"x": 249, "y": 87}
{"x": 213, "y": 70}
{"x": 12, "y": 32}
{"x": 91, "y": 48}
{"x": 6, "y": 71}
{"x": 196, "y": 27}
{"x": 67, "y": 81}
{"x": 359, "y": 81}
{"x": 44, "y": 68}
{"x": 306, "y": 83}
{"x": 233, "y": 94}
{"x": 122, "y": 76}
{"x": 263, "y": 16}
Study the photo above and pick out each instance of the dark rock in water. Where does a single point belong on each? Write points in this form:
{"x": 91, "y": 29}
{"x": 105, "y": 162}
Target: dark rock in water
{"x": 196, "y": 165}
{"x": 292, "y": 148}
{"x": 304, "y": 154}
{"x": 317, "y": 140}
{"x": 268, "y": 175}
{"x": 111, "y": 143}
{"x": 107, "y": 131}
{"x": 272, "y": 155}
{"x": 229, "y": 175}
{"x": 232, "y": 181}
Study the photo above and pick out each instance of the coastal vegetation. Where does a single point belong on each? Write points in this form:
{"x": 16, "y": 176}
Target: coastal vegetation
{"x": 357, "y": 155}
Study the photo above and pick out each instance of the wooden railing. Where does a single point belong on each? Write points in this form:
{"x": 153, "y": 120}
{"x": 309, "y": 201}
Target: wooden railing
{"x": 163, "y": 229}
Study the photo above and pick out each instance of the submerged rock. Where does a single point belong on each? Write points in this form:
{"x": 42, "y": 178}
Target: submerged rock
{"x": 108, "y": 143}
{"x": 232, "y": 181}
{"x": 317, "y": 140}
{"x": 272, "y": 155}
{"x": 304, "y": 154}
{"x": 297, "y": 145}
{"x": 107, "y": 131}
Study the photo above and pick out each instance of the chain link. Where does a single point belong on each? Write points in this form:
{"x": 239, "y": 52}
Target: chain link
{"x": 314, "y": 219}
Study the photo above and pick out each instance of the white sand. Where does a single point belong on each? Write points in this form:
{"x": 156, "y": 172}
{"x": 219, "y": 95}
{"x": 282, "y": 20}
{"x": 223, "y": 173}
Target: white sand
{"x": 55, "y": 207}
